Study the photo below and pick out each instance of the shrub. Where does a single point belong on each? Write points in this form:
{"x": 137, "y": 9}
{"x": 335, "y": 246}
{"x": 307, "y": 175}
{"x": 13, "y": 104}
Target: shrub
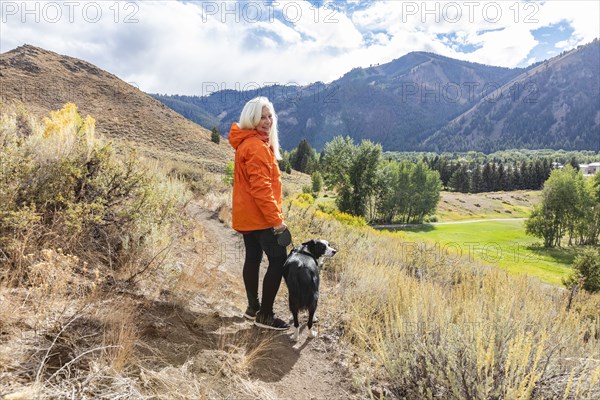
{"x": 229, "y": 170}
{"x": 303, "y": 200}
{"x": 586, "y": 271}
{"x": 317, "y": 182}
{"x": 431, "y": 218}
{"x": 62, "y": 187}
{"x": 284, "y": 164}
{"x": 348, "y": 219}
{"x": 326, "y": 208}
{"x": 214, "y": 135}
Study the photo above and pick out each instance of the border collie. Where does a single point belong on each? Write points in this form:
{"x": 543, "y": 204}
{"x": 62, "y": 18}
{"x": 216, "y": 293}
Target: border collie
{"x": 301, "y": 274}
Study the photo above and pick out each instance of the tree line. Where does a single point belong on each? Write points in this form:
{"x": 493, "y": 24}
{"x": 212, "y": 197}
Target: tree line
{"x": 406, "y": 188}
{"x": 471, "y": 172}
{"x": 367, "y": 184}
{"x": 506, "y": 157}
{"x": 474, "y": 177}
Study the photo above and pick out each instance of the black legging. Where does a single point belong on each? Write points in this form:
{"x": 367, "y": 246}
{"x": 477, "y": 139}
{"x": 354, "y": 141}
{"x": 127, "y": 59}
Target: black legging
{"x": 256, "y": 243}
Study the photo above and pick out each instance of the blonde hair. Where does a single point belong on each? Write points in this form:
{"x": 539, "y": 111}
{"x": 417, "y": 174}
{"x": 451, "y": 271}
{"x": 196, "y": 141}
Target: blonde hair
{"x": 250, "y": 118}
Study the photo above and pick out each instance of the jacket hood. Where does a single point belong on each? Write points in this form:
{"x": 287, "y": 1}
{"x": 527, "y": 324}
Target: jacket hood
{"x": 237, "y": 135}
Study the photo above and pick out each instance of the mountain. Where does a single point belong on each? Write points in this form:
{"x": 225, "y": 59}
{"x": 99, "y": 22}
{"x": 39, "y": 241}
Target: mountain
{"x": 553, "y": 104}
{"x": 398, "y": 104}
{"x": 45, "y": 81}
{"x": 424, "y": 101}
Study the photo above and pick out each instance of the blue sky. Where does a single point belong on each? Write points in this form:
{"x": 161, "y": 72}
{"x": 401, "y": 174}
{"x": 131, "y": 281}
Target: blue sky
{"x": 191, "y": 47}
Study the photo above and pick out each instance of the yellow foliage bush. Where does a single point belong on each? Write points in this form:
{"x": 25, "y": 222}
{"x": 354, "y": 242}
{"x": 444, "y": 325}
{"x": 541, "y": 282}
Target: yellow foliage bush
{"x": 348, "y": 219}
{"x": 61, "y": 186}
{"x": 303, "y": 200}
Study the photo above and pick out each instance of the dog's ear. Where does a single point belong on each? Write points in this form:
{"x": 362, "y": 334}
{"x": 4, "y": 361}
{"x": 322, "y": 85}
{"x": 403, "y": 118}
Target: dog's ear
{"x": 317, "y": 248}
{"x": 311, "y": 246}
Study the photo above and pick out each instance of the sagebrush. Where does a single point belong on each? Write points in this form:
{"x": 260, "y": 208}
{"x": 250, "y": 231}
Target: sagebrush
{"x": 63, "y": 187}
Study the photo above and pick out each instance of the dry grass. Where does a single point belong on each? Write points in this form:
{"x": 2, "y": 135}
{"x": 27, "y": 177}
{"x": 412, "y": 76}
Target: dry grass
{"x": 247, "y": 348}
{"x": 455, "y": 206}
{"x": 430, "y": 327}
{"x": 52, "y": 343}
{"x": 69, "y": 322}
{"x": 120, "y": 335}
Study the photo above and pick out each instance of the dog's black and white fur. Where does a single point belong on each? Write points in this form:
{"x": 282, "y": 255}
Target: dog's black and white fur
{"x": 301, "y": 274}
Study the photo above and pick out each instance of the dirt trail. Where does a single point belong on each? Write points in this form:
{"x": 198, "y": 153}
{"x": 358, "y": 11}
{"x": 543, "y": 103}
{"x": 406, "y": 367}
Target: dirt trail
{"x": 308, "y": 369}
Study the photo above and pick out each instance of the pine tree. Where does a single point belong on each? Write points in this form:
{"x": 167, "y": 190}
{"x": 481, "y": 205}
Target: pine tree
{"x": 214, "y": 136}
{"x": 459, "y": 181}
{"x": 573, "y": 162}
{"x": 476, "y": 179}
{"x": 317, "y": 182}
{"x": 304, "y": 157}
{"x": 523, "y": 176}
{"x": 487, "y": 177}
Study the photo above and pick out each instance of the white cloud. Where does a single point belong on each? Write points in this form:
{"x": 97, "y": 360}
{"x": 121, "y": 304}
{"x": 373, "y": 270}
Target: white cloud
{"x": 286, "y": 33}
{"x": 193, "y": 47}
{"x": 503, "y": 30}
{"x": 582, "y": 16}
{"x": 508, "y": 47}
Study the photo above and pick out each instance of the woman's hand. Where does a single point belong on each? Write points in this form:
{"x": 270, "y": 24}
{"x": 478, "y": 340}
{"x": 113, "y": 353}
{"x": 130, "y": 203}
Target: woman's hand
{"x": 280, "y": 228}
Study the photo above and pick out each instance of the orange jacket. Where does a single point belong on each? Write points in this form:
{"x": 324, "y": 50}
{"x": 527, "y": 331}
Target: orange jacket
{"x": 256, "y": 182}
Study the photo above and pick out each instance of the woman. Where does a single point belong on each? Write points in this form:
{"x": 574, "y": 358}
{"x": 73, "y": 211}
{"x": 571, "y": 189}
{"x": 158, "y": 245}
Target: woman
{"x": 256, "y": 206}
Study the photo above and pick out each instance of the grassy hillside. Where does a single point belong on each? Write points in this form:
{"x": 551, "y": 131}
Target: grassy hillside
{"x": 463, "y": 206}
{"x": 44, "y": 81}
{"x": 116, "y": 283}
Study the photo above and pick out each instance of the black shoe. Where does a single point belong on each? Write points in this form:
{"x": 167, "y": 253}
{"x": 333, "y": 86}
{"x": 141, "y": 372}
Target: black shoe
{"x": 250, "y": 313}
{"x": 269, "y": 321}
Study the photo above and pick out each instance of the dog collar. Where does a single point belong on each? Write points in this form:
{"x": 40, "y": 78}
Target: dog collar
{"x": 302, "y": 250}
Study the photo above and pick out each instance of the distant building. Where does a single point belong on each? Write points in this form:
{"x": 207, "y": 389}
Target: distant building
{"x": 589, "y": 169}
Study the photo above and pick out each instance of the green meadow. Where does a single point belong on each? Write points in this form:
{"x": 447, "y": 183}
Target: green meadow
{"x": 499, "y": 243}
{"x": 502, "y": 244}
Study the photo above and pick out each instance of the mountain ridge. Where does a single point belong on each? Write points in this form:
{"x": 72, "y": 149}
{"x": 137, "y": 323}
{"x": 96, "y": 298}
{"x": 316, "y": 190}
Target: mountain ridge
{"x": 536, "y": 91}
{"x": 411, "y": 104}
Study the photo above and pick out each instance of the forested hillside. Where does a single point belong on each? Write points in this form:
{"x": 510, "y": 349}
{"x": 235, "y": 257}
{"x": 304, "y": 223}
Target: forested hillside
{"x": 397, "y": 104}
{"x": 426, "y": 102}
{"x": 554, "y": 104}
